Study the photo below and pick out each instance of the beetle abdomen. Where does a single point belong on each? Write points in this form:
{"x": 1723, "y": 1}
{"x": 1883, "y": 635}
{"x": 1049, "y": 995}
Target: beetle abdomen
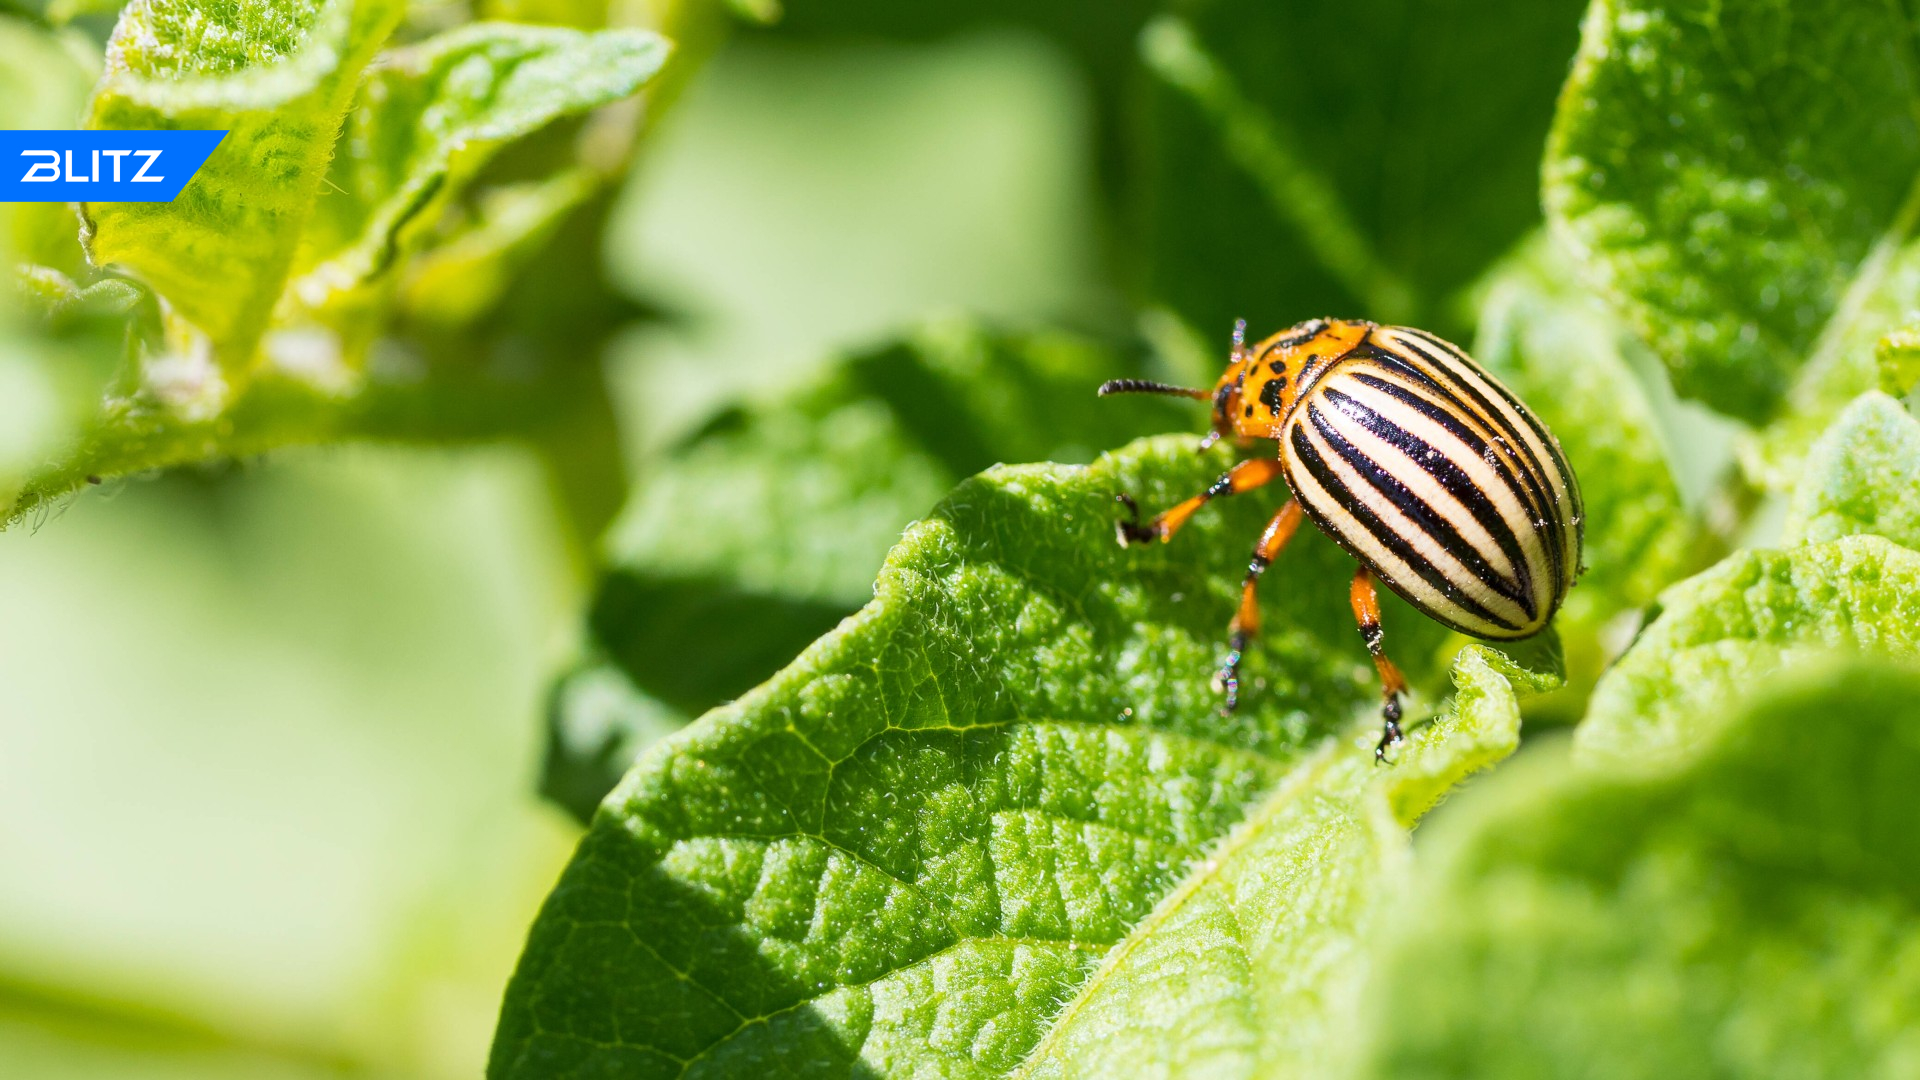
{"x": 1423, "y": 466}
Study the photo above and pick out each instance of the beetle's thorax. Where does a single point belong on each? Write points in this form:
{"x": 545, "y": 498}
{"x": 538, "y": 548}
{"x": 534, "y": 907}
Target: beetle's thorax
{"x": 1264, "y": 382}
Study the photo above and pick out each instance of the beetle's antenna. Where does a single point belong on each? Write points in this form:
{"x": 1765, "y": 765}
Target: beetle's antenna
{"x": 1147, "y": 386}
{"x": 1239, "y": 339}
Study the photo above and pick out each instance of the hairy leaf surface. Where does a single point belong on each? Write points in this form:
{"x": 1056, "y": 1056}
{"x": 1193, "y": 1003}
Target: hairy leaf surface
{"x": 910, "y": 847}
{"x": 1844, "y": 588}
{"x": 59, "y": 341}
{"x": 1741, "y": 180}
{"x": 1253, "y": 966}
{"x": 427, "y": 118}
{"x": 1757, "y": 611}
{"x": 1863, "y": 476}
{"x": 429, "y": 115}
{"x": 277, "y": 75}
{"x": 1751, "y": 912}
{"x": 764, "y": 529}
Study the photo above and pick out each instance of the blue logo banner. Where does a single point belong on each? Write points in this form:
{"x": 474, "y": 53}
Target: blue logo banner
{"x": 100, "y": 166}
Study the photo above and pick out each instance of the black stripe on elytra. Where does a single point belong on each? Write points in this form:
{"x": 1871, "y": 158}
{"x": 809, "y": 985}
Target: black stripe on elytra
{"x": 1309, "y": 457}
{"x": 1575, "y": 508}
{"x": 1520, "y": 410}
{"x": 1545, "y": 506}
{"x": 1444, "y": 471}
{"x": 1428, "y": 520}
{"x": 1547, "y": 440}
{"x": 1450, "y": 404}
{"x": 1539, "y": 430}
{"x": 1451, "y": 423}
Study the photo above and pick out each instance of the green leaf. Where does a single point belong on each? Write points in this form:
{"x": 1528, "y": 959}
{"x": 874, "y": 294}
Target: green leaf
{"x": 1300, "y": 195}
{"x": 1253, "y": 965}
{"x": 765, "y": 528}
{"x": 1560, "y": 353}
{"x": 1897, "y": 358}
{"x": 1264, "y": 173}
{"x": 44, "y": 78}
{"x": 912, "y": 844}
{"x": 802, "y": 497}
{"x": 599, "y": 723}
{"x": 1863, "y": 476}
{"x": 59, "y": 299}
{"x": 147, "y": 430}
{"x": 1099, "y": 36}
{"x": 443, "y": 107}
{"x": 465, "y": 276}
{"x": 1741, "y": 180}
{"x": 51, "y": 381}
{"x": 1311, "y": 159}
{"x": 43, "y": 75}
{"x": 1750, "y": 913}
{"x": 428, "y": 116}
{"x": 1756, "y": 612}
{"x": 63, "y": 12}
{"x": 277, "y": 75}
{"x": 59, "y": 341}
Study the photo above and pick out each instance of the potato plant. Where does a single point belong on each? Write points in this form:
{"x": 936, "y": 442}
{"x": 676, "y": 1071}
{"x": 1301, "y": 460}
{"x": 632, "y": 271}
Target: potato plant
{"x": 889, "y": 760}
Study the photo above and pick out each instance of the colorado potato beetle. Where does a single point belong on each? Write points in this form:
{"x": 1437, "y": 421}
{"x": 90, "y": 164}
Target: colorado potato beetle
{"x": 1411, "y": 457}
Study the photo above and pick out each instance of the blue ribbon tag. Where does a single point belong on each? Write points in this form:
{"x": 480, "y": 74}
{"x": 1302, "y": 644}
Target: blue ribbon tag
{"x": 100, "y": 166}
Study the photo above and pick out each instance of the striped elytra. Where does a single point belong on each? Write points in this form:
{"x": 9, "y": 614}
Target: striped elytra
{"x": 1411, "y": 457}
{"x": 1423, "y": 466}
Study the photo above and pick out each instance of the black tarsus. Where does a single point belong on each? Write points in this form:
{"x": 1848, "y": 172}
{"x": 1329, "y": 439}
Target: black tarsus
{"x": 1390, "y": 734}
{"x": 1227, "y": 679}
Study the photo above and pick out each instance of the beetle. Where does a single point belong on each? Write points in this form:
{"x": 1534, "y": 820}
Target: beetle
{"x": 1410, "y": 456}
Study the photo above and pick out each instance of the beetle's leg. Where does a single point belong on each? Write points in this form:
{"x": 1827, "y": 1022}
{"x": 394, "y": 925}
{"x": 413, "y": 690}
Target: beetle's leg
{"x": 1366, "y": 612}
{"x": 1249, "y": 474}
{"x": 1246, "y": 621}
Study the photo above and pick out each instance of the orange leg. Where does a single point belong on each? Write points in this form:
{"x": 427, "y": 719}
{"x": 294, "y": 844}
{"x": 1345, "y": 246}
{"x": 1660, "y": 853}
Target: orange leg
{"x": 1246, "y": 621}
{"x": 1366, "y": 612}
{"x": 1250, "y": 474}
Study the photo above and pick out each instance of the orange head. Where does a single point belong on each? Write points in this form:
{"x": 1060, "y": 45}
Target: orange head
{"x": 1261, "y": 384}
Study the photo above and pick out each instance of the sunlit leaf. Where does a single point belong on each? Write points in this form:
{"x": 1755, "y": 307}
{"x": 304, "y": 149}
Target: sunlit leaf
{"x": 277, "y": 76}
{"x": 429, "y": 115}
{"x": 765, "y": 529}
{"x": 1568, "y": 360}
{"x": 1254, "y": 964}
{"x": 1727, "y": 629}
{"x": 1740, "y": 179}
{"x": 1848, "y": 586}
{"x": 1751, "y": 912}
{"x": 908, "y": 847}
{"x": 1863, "y": 476}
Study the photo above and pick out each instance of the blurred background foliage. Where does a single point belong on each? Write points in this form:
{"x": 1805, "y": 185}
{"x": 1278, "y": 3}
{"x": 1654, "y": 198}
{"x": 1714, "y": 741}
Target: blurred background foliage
{"x": 687, "y": 365}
